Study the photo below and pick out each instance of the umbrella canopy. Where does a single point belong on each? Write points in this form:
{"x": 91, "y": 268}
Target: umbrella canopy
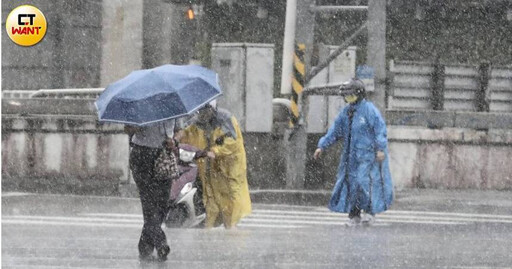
{"x": 153, "y": 95}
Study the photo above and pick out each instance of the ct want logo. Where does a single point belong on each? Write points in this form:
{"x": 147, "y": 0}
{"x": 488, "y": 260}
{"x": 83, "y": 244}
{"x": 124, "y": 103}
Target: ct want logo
{"x": 26, "y": 25}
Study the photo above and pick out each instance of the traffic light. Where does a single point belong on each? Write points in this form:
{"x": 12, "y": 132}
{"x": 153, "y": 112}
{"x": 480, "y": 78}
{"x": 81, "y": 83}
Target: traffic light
{"x": 190, "y": 14}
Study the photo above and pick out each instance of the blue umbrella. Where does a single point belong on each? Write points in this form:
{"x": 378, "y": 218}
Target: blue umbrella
{"x": 153, "y": 95}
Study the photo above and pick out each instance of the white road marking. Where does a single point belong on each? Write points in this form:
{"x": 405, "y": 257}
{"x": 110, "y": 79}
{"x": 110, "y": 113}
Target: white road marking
{"x": 477, "y": 267}
{"x": 68, "y": 223}
{"x": 103, "y": 222}
{"x": 14, "y": 194}
{"x": 389, "y": 212}
{"x": 58, "y": 218}
{"x": 383, "y": 217}
{"x": 270, "y": 218}
{"x": 116, "y": 215}
{"x": 401, "y": 212}
{"x": 406, "y": 215}
{"x": 243, "y": 224}
{"x": 378, "y": 223}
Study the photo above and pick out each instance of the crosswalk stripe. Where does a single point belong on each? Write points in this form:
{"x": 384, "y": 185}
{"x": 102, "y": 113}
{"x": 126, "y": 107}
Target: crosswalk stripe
{"x": 68, "y": 223}
{"x": 378, "y": 223}
{"x": 389, "y": 212}
{"x": 120, "y": 225}
{"x": 384, "y": 217}
{"x": 56, "y": 218}
{"x": 100, "y": 222}
{"x": 137, "y": 216}
{"x": 325, "y": 223}
{"x": 333, "y": 215}
{"x": 271, "y": 218}
{"x": 277, "y": 223}
{"x": 243, "y": 224}
{"x": 14, "y": 194}
{"x": 447, "y": 218}
{"x": 401, "y": 212}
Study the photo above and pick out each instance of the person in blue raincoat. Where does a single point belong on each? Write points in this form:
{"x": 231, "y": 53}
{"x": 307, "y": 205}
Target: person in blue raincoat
{"x": 363, "y": 182}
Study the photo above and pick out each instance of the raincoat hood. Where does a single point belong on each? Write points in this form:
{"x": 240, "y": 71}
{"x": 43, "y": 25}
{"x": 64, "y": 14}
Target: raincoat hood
{"x": 225, "y": 188}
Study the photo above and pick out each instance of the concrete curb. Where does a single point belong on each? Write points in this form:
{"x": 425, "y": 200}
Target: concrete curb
{"x": 405, "y": 199}
{"x": 490, "y": 201}
{"x": 291, "y": 197}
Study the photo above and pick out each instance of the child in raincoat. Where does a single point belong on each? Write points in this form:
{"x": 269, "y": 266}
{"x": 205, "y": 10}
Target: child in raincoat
{"x": 223, "y": 173}
{"x": 363, "y": 181}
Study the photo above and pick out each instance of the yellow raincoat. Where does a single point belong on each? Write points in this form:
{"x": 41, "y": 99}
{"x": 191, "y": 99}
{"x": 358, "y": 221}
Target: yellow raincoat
{"x": 225, "y": 189}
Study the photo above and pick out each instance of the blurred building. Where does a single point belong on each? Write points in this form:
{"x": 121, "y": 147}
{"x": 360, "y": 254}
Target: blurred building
{"x": 90, "y": 43}
{"x": 69, "y": 55}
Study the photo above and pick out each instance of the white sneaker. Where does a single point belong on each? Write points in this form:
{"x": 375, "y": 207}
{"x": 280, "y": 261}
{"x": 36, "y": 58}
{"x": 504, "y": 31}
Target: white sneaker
{"x": 355, "y": 221}
{"x": 368, "y": 219}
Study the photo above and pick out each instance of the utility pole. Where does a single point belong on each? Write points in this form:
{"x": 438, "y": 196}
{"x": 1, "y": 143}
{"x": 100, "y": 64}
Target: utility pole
{"x": 301, "y": 20}
{"x": 299, "y": 29}
{"x": 295, "y": 139}
{"x": 288, "y": 46}
{"x": 376, "y": 56}
{"x": 305, "y": 28}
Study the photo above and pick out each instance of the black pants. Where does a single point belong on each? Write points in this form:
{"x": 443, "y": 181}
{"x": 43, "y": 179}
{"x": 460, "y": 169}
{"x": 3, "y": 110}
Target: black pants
{"x": 154, "y": 196}
{"x": 355, "y": 212}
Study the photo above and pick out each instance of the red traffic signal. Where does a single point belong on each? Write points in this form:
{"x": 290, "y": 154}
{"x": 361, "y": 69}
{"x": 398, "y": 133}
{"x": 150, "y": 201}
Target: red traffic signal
{"x": 190, "y": 13}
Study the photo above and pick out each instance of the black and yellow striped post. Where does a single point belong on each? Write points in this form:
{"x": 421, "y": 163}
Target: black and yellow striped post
{"x": 298, "y": 81}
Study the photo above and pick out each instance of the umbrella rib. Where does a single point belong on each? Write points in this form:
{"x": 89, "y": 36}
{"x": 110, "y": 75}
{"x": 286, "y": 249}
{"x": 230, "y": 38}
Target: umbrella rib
{"x": 136, "y": 100}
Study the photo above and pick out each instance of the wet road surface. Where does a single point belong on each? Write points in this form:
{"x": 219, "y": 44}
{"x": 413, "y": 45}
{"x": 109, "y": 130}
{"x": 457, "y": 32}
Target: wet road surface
{"x": 52, "y": 231}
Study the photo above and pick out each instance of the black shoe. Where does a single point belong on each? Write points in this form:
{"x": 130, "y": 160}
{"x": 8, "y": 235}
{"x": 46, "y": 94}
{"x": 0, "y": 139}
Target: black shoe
{"x": 146, "y": 258}
{"x": 146, "y": 251}
{"x": 354, "y": 221}
{"x": 163, "y": 252}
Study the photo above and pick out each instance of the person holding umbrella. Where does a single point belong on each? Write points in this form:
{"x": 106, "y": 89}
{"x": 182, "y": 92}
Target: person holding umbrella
{"x": 224, "y": 173}
{"x": 363, "y": 182}
{"x": 147, "y": 143}
{"x": 148, "y": 102}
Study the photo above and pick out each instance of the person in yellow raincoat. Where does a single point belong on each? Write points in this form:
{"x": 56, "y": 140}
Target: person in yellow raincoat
{"x": 224, "y": 172}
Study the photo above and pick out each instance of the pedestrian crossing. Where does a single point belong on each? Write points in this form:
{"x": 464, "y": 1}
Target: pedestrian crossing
{"x": 264, "y": 216}
{"x": 323, "y": 217}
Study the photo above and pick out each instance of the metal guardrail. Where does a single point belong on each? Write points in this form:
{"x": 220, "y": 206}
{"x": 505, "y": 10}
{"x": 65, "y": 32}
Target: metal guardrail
{"x": 39, "y": 106}
{"x": 55, "y": 102}
{"x": 17, "y": 94}
{"x": 78, "y": 93}
{"x": 69, "y": 108}
{"x": 92, "y": 93}
{"x": 65, "y": 108}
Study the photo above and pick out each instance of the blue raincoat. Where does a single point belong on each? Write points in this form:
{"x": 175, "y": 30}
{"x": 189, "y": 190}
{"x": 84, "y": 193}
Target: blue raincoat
{"x": 361, "y": 179}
